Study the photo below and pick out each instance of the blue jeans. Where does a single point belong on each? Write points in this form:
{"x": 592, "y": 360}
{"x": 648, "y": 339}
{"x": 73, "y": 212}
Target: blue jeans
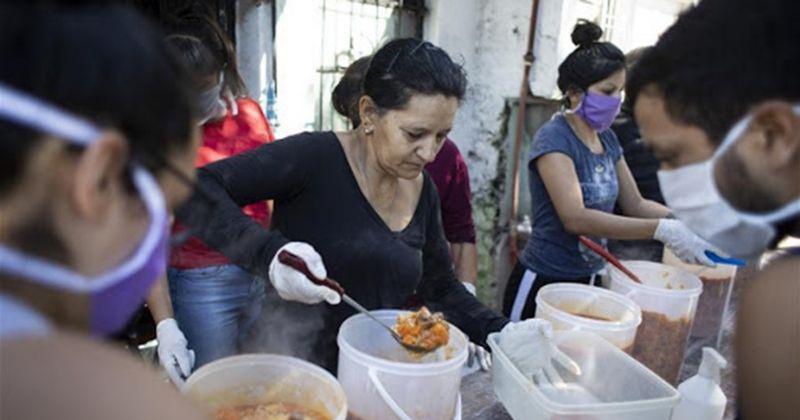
{"x": 216, "y": 308}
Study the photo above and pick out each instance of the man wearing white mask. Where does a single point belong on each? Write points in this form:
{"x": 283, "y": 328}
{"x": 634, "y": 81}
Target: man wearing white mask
{"x": 86, "y": 126}
{"x": 717, "y": 101}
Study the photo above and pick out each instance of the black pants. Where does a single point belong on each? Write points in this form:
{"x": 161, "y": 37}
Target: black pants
{"x": 519, "y": 301}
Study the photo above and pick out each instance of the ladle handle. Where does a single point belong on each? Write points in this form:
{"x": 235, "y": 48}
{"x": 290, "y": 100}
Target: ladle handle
{"x": 599, "y": 250}
{"x": 287, "y": 258}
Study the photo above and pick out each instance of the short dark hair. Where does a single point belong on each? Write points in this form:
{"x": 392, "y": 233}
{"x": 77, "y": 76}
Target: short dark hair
{"x": 591, "y": 62}
{"x": 105, "y": 63}
{"x": 721, "y": 58}
{"x": 348, "y": 91}
{"x": 407, "y": 66}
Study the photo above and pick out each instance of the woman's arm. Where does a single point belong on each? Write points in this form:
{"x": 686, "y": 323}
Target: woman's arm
{"x": 561, "y": 181}
{"x": 441, "y": 289}
{"x": 465, "y": 261}
{"x": 273, "y": 171}
{"x": 631, "y": 200}
{"x": 159, "y": 301}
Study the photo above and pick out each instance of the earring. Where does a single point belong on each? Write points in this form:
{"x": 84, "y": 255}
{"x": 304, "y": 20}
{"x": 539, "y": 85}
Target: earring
{"x": 368, "y": 130}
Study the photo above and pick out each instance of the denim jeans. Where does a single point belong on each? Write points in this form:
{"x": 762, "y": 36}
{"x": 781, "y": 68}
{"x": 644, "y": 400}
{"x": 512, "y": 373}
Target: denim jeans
{"x": 216, "y": 308}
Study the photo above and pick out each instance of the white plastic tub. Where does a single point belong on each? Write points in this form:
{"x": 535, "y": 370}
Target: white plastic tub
{"x": 383, "y": 381}
{"x": 587, "y": 308}
{"x": 668, "y": 299}
{"x": 612, "y": 385}
{"x": 264, "y": 379}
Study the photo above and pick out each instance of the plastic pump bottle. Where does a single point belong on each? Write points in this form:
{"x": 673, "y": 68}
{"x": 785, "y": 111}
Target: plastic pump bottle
{"x": 701, "y": 397}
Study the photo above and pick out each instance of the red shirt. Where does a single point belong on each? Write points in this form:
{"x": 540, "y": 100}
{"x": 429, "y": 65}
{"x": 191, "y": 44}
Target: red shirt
{"x": 227, "y": 137}
{"x": 449, "y": 173}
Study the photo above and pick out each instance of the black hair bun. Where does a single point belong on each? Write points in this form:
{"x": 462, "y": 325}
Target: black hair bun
{"x": 585, "y": 33}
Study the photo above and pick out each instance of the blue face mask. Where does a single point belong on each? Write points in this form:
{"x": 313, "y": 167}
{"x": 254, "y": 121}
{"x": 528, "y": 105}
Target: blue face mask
{"x": 117, "y": 293}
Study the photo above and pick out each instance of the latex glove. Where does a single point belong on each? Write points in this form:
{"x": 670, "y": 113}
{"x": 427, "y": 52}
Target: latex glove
{"x": 479, "y": 358}
{"x": 529, "y": 345}
{"x": 173, "y": 353}
{"x": 294, "y": 285}
{"x": 470, "y": 287}
{"x": 687, "y": 246}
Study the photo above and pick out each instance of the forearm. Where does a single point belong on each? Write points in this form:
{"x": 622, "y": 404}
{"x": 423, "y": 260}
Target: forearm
{"x": 647, "y": 209}
{"x": 465, "y": 261}
{"x": 606, "y": 225}
{"x": 224, "y": 227}
{"x": 159, "y": 301}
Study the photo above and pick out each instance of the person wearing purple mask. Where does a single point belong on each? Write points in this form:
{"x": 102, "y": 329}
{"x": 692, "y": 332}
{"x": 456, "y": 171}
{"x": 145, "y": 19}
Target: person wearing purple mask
{"x": 577, "y": 173}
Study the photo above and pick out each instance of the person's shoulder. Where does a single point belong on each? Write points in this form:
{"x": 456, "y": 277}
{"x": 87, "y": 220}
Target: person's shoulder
{"x": 63, "y": 367}
{"x": 553, "y": 136}
{"x": 557, "y": 126}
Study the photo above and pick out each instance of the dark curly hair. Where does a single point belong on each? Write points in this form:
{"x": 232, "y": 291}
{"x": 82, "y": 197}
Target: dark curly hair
{"x": 721, "y": 58}
{"x": 591, "y": 62}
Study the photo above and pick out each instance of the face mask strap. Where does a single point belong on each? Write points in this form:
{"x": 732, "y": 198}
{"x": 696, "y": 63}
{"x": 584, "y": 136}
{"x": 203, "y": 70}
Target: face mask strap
{"x": 25, "y": 110}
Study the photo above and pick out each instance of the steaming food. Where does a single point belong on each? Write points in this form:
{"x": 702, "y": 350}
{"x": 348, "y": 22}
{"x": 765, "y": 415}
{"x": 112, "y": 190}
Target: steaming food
{"x": 423, "y": 329}
{"x": 274, "y": 411}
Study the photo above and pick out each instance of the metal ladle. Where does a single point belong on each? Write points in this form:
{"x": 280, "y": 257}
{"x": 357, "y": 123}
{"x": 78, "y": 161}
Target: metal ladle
{"x": 292, "y": 260}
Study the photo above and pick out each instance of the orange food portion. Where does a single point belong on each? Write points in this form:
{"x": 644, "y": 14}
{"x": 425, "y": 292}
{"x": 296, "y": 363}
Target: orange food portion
{"x": 423, "y": 329}
{"x": 275, "y": 411}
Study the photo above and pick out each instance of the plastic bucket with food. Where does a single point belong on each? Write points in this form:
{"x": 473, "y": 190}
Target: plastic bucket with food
{"x": 668, "y": 299}
{"x": 714, "y": 301}
{"x": 587, "y": 308}
{"x": 383, "y": 380}
{"x": 266, "y": 386}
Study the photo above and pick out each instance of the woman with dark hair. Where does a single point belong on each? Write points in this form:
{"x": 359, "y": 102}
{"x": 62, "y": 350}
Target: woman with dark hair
{"x": 357, "y": 200}
{"x": 97, "y": 140}
{"x": 448, "y": 171}
{"x": 216, "y": 303}
{"x": 577, "y": 174}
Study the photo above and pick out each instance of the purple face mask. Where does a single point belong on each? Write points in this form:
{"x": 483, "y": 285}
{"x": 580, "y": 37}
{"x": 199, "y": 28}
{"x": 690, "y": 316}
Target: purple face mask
{"x": 599, "y": 110}
{"x": 117, "y": 293}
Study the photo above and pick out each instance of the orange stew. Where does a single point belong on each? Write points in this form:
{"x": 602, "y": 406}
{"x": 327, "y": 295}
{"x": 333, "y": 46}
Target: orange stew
{"x": 275, "y": 411}
{"x": 423, "y": 329}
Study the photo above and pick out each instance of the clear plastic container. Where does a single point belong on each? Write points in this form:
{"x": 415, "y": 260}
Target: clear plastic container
{"x": 382, "y": 380}
{"x": 265, "y": 379}
{"x": 612, "y": 385}
{"x": 587, "y": 308}
{"x": 714, "y": 301}
{"x": 668, "y": 299}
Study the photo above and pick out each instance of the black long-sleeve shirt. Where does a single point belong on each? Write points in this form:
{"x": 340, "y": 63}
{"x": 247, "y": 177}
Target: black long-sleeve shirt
{"x": 317, "y": 200}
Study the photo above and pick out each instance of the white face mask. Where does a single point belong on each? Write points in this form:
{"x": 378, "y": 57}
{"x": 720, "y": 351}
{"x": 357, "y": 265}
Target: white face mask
{"x": 692, "y": 195}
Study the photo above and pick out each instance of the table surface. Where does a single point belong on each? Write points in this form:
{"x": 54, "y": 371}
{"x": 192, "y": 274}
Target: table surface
{"x": 478, "y": 400}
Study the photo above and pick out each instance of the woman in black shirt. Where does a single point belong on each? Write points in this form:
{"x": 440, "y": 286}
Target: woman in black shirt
{"x": 361, "y": 199}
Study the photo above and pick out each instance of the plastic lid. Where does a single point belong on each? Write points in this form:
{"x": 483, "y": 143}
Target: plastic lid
{"x": 712, "y": 363}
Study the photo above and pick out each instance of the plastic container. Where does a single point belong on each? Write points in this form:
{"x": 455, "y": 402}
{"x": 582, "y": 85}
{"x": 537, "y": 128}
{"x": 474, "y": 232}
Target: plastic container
{"x": 382, "y": 380}
{"x": 264, "y": 379}
{"x": 612, "y": 385}
{"x": 714, "y": 301}
{"x": 587, "y": 308}
{"x": 668, "y": 299}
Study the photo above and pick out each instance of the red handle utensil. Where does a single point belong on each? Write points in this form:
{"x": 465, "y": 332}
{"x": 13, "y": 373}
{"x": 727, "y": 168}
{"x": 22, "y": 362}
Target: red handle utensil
{"x": 287, "y": 258}
{"x": 599, "y": 250}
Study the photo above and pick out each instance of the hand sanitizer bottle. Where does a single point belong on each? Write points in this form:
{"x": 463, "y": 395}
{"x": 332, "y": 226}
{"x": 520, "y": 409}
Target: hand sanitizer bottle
{"x": 701, "y": 396}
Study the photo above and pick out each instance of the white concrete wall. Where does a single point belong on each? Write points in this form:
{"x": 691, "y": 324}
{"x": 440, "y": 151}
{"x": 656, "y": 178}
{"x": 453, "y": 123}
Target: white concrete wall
{"x": 254, "y": 46}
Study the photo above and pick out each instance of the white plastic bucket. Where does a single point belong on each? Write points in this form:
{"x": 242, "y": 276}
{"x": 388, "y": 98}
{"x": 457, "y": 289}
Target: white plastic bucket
{"x": 668, "y": 299}
{"x": 264, "y": 379}
{"x": 618, "y": 316}
{"x": 383, "y": 381}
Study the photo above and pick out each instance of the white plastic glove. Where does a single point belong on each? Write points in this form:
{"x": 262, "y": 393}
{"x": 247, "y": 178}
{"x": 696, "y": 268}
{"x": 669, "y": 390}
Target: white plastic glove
{"x": 294, "y": 285}
{"x": 470, "y": 287}
{"x": 173, "y": 353}
{"x": 529, "y": 345}
{"x": 479, "y": 359}
{"x": 687, "y": 246}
